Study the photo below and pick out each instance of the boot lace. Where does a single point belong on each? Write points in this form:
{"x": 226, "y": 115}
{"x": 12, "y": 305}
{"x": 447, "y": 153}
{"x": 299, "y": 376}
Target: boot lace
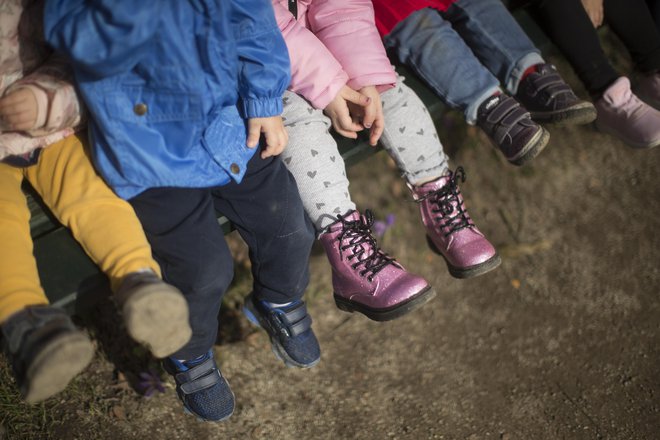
{"x": 447, "y": 203}
{"x": 362, "y": 246}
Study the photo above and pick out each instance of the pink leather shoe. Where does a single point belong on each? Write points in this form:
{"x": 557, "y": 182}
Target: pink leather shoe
{"x": 450, "y": 230}
{"x": 364, "y": 278}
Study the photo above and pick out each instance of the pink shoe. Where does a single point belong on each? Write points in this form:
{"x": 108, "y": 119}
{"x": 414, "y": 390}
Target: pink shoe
{"x": 450, "y": 231}
{"x": 648, "y": 89}
{"x": 624, "y": 115}
{"x": 364, "y": 278}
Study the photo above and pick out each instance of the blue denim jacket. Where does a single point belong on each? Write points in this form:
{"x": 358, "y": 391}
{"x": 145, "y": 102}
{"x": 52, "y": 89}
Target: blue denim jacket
{"x": 168, "y": 84}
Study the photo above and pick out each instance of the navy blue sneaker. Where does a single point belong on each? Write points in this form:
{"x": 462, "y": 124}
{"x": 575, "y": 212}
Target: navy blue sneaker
{"x": 201, "y": 387}
{"x": 290, "y": 331}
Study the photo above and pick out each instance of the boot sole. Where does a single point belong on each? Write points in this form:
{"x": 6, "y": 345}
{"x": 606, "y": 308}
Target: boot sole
{"x": 389, "y": 313}
{"x": 638, "y": 145}
{"x": 467, "y": 272}
{"x": 279, "y": 351}
{"x": 157, "y": 317}
{"x": 534, "y": 147}
{"x": 56, "y": 365}
{"x": 580, "y": 114}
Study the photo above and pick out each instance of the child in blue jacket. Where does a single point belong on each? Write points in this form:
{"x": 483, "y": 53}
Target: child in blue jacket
{"x": 170, "y": 86}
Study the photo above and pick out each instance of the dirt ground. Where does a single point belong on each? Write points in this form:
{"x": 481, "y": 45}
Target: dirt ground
{"x": 561, "y": 342}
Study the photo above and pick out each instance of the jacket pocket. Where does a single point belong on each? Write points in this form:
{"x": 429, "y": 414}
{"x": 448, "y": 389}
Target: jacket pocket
{"x": 145, "y": 106}
{"x": 153, "y": 133}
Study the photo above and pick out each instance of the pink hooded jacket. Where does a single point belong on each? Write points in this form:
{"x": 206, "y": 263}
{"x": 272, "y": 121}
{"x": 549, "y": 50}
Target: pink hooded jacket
{"x": 26, "y": 62}
{"x": 333, "y": 43}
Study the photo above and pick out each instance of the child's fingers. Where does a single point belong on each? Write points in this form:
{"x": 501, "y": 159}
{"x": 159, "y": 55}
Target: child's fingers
{"x": 376, "y": 131}
{"x": 11, "y": 107}
{"x": 12, "y": 99}
{"x": 254, "y": 133}
{"x": 23, "y": 120}
{"x": 351, "y": 134}
{"x": 275, "y": 142}
{"x": 355, "y": 97}
{"x": 345, "y": 122}
{"x": 370, "y": 114}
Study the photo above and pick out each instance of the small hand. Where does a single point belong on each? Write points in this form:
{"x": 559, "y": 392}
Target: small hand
{"x": 595, "y": 11}
{"x": 18, "y": 110}
{"x": 274, "y": 132}
{"x": 340, "y": 115}
{"x": 370, "y": 115}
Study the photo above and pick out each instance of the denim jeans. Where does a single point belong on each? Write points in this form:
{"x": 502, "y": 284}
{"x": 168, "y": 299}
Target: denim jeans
{"x": 466, "y": 52}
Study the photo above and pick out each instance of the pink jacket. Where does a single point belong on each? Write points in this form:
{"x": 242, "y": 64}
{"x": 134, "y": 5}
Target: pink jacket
{"x": 331, "y": 44}
{"x": 26, "y": 62}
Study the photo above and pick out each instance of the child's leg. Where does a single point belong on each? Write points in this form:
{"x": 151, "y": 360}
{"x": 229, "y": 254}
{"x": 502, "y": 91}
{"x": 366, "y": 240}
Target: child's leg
{"x": 105, "y": 225}
{"x": 427, "y": 43}
{"x": 189, "y": 245}
{"x": 631, "y": 20}
{"x": 412, "y": 141}
{"x": 496, "y": 38}
{"x": 110, "y": 233}
{"x": 363, "y": 277}
{"x": 569, "y": 27}
{"x": 410, "y": 136}
{"x": 268, "y": 213}
{"x": 311, "y": 156}
{"x": 19, "y": 278}
{"x": 44, "y": 348}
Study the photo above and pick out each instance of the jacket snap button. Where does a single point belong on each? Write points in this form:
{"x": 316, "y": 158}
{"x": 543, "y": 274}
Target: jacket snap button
{"x": 140, "y": 109}
{"x": 235, "y": 168}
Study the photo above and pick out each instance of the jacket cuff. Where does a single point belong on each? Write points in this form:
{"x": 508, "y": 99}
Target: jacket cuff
{"x": 261, "y": 108}
{"x": 328, "y": 94}
{"x": 382, "y": 81}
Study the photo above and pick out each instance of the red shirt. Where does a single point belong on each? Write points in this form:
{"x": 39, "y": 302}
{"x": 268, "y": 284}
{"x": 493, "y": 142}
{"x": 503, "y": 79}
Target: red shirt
{"x": 391, "y": 12}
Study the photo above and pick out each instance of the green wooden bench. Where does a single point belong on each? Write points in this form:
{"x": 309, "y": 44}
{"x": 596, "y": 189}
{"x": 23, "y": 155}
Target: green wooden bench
{"x": 73, "y": 282}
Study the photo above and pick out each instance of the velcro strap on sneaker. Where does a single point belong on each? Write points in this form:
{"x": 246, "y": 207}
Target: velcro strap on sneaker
{"x": 552, "y": 84}
{"x": 505, "y": 107}
{"x": 294, "y": 315}
{"x": 201, "y": 383}
{"x": 199, "y": 377}
{"x": 297, "y": 320}
{"x": 503, "y": 126}
{"x": 301, "y": 326}
{"x": 195, "y": 372}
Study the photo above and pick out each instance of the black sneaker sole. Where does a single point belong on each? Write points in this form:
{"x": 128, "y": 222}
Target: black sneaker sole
{"x": 56, "y": 365}
{"x": 533, "y": 148}
{"x": 579, "y": 114}
{"x": 467, "y": 272}
{"x": 389, "y": 313}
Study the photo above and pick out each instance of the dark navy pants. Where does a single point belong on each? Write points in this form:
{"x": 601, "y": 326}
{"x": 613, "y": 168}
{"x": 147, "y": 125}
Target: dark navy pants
{"x": 190, "y": 247}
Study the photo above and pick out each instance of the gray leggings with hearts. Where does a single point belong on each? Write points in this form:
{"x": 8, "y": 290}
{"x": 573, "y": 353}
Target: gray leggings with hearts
{"x": 313, "y": 159}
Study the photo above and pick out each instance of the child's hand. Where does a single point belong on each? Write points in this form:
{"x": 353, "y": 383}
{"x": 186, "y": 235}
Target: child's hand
{"x": 274, "y": 132}
{"x": 370, "y": 115}
{"x": 595, "y": 11}
{"x": 18, "y": 110}
{"x": 340, "y": 115}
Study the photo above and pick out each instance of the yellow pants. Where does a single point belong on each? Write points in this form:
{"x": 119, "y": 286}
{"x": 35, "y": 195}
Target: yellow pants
{"x": 103, "y": 224}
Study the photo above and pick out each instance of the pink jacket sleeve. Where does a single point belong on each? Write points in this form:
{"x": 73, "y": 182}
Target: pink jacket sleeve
{"x": 57, "y": 102}
{"x": 347, "y": 28}
{"x": 315, "y": 73}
